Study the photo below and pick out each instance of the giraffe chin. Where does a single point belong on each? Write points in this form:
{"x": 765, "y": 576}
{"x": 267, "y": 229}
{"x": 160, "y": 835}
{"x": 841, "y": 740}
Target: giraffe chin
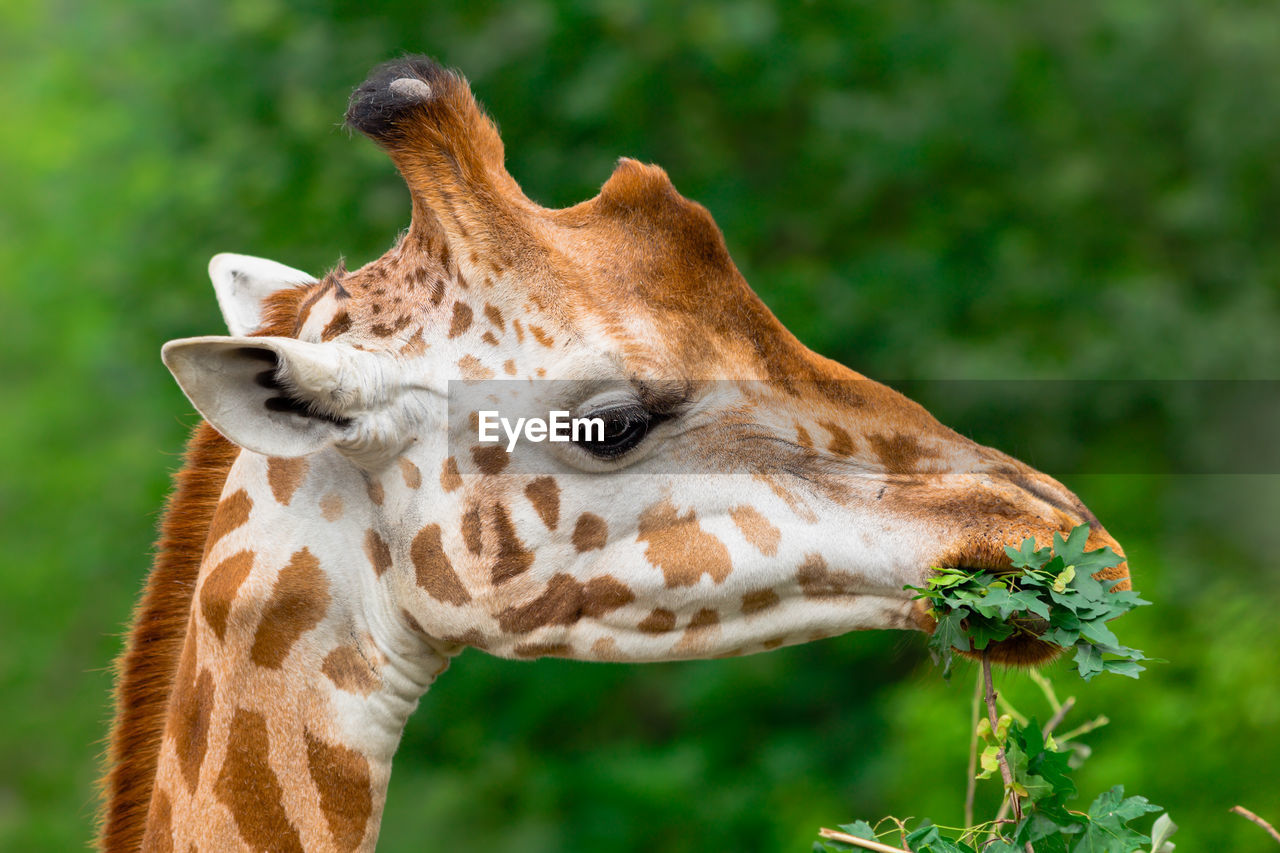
{"x": 1019, "y": 651}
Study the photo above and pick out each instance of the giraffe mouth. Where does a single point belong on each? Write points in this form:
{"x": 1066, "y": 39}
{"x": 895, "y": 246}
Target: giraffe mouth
{"x": 1024, "y": 647}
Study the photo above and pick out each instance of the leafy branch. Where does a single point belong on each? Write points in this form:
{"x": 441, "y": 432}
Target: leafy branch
{"x": 1051, "y": 596}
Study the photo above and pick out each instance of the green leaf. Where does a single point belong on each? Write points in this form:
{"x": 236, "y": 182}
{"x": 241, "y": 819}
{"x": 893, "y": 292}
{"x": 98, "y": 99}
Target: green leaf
{"x": 1108, "y": 830}
{"x": 1029, "y": 601}
{"x": 989, "y": 760}
{"x": 999, "y": 846}
{"x": 1071, "y": 549}
{"x": 1088, "y": 661}
{"x": 1161, "y": 832}
{"x": 982, "y": 631}
{"x": 859, "y": 829}
{"x": 1123, "y": 667}
{"x": 927, "y": 839}
{"x": 1027, "y": 556}
{"x": 1098, "y": 634}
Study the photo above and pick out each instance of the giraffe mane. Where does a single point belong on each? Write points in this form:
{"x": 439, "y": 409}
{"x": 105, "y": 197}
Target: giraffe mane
{"x": 146, "y": 668}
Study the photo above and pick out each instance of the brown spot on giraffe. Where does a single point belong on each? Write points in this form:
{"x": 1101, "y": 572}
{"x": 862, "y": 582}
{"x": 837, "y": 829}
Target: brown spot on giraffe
{"x": 513, "y": 558}
{"x": 509, "y": 367}
{"x": 472, "y": 368}
{"x": 565, "y": 601}
{"x": 299, "y": 600}
{"x": 679, "y": 546}
{"x": 544, "y": 494}
{"x": 249, "y": 788}
{"x": 189, "y": 711}
{"x": 704, "y": 618}
{"x": 346, "y": 792}
{"x": 461, "y": 319}
{"x": 218, "y": 591}
{"x": 606, "y": 649}
{"x": 469, "y": 637}
{"x": 541, "y": 336}
{"x": 590, "y": 532}
{"x": 489, "y": 339}
{"x": 232, "y": 512}
{"x": 494, "y": 316}
{"x": 802, "y": 437}
{"x": 841, "y": 444}
{"x": 409, "y": 471}
{"x": 472, "y": 530}
{"x": 375, "y": 548}
{"x": 515, "y": 324}
{"x": 757, "y": 529}
{"x": 331, "y": 506}
{"x": 340, "y": 324}
{"x": 376, "y": 493}
{"x": 450, "y": 479}
{"x": 899, "y": 453}
{"x": 434, "y": 571}
{"x": 284, "y": 476}
{"x": 351, "y": 671}
{"x": 697, "y": 631}
{"x": 757, "y": 600}
{"x": 818, "y": 581}
{"x": 660, "y": 621}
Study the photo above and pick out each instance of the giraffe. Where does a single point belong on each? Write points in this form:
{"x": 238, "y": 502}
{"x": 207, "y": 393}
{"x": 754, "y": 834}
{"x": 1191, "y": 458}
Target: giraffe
{"x": 334, "y": 539}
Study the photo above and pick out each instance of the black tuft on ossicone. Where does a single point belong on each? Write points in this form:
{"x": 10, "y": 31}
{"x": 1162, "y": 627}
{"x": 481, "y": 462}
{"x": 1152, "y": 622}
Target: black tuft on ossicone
{"x": 392, "y": 91}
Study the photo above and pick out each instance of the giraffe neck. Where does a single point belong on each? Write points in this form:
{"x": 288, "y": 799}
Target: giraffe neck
{"x": 296, "y": 675}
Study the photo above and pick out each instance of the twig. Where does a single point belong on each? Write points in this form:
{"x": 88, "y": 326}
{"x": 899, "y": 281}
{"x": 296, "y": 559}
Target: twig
{"x": 1059, "y": 715}
{"x": 901, "y": 823}
{"x": 1053, "y": 723}
{"x": 1248, "y": 815}
{"x": 972, "y": 785}
{"x": 1096, "y": 723}
{"x": 1006, "y": 772}
{"x": 1046, "y": 687}
{"x": 836, "y": 835}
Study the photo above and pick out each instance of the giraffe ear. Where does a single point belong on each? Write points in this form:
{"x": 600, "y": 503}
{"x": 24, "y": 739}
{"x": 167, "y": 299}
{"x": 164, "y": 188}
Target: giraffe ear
{"x": 243, "y": 283}
{"x": 278, "y": 396}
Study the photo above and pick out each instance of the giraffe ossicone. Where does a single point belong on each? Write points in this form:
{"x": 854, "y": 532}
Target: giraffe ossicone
{"x": 411, "y": 87}
{"x": 336, "y": 538}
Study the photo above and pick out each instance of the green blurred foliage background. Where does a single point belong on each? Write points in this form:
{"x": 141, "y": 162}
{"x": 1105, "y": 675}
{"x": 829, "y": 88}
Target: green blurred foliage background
{"x": 921, "y": 189}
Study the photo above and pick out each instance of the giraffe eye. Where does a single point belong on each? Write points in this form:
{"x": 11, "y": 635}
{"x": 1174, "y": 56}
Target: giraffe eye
{"x": 624, "y": 427}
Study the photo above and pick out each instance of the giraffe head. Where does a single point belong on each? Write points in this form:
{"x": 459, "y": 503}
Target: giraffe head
{"x": 746, "y": 493}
